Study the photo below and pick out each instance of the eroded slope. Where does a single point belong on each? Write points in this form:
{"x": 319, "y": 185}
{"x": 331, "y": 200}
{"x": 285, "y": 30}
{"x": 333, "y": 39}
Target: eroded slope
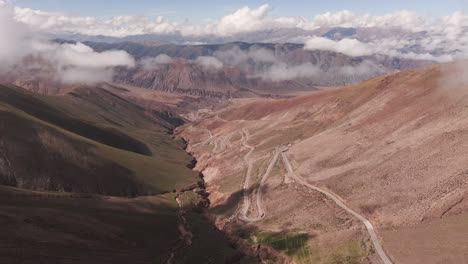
{"x": 393, "y": 148}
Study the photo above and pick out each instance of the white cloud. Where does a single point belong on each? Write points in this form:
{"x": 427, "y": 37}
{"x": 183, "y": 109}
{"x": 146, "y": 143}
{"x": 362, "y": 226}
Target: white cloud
{"x": 243, "y": 20}
{"x": 350, "y": 47}
{"x": 78, "y": 63}
{"x": 402, "y": 19}
{"x": 283, "y": 72}
{"x": 402, "y": 34}
{"x": 80, "y": 55}
{"x": 85, "y": 75}
{"x": 262, "y": 63}
{"x": 14, "y": 38}
{"x": 115, "y": 26}
{"x": 247, "y": 20}
{"x": 209, "y": 62}
{"x": 151, "y": 63}
{"x": 237, "y": 57}
{"x": 70, "y": 62}
{"x": 390, "y": 47}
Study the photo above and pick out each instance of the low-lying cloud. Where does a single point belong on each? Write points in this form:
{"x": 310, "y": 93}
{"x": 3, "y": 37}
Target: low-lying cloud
{"x": 398, "y": 48}
{"x": 152, "y": 63}
{"x": 265, "y": 64}
{"x": 78, "y": 63}
{"x": 258, "y": 62}
{"x": 350, "y": 47}
{"x": 69, "y": 63}
{"x": 284, "y": 72}
{"x": 14, "y": 38}
{"x": 209, "y": 62}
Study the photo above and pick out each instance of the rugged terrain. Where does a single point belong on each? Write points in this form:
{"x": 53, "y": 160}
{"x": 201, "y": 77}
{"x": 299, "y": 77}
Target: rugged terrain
{"x": 369, "y": 173}
{"x": 223, "y": 71}
{"x": 391, "y": 149}
{"x": 252, "y": 77}
{"x": 90, "y": 177}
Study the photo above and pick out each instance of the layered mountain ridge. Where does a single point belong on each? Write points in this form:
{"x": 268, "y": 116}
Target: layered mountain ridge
{"x": 232, "y": 70}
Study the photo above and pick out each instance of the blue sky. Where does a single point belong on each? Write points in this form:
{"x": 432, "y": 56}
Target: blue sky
{"x": 199, "y": 11}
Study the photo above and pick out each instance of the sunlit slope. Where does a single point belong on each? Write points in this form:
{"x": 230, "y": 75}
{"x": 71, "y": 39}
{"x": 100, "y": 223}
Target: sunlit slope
{"x": 393, "y": 148}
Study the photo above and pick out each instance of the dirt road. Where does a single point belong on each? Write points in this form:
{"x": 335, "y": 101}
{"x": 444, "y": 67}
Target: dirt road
{"x": 367, "y": 223}
{"x": 282, "y": 150}
{"x": 259, "y": 190}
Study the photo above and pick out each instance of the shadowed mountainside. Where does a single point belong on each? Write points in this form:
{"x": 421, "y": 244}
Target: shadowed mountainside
{"x": 89, "y": 177}
{"x": 81, "y": 141}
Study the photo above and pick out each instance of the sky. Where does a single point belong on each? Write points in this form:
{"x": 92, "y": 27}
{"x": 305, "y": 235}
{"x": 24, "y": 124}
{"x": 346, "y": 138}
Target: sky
{"x": 407, "y": 29}
{"x": 200, "y": 11}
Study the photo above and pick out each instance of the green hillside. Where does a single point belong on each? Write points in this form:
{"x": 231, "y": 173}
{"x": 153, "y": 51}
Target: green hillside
{"x": 88, "y": 177}
{"x": 80, "y": 141}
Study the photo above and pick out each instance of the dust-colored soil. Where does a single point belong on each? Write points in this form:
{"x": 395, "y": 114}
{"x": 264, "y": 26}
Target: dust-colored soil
{"x": 392, "y": 148}
{"x": 439, "y": 241}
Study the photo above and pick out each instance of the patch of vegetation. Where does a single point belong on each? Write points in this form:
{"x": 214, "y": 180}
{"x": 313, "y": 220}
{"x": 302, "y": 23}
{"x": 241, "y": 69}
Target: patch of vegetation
{"x": 187, "y": 199}
{"x": 293, "y": 244}
{"x": 352, "y": 252}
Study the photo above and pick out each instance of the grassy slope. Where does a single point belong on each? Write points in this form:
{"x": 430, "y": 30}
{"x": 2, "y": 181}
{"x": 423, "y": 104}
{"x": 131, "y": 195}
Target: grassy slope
{"x": 93, "y": 142}
{"x": 293, "y": 244}
{"x": 93, "y": 135}
{"x": 40, "y": 227}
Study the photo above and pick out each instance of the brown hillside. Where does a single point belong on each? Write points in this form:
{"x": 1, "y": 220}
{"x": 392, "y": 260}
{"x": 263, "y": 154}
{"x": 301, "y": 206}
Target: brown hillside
{"x": 393, "y": 148}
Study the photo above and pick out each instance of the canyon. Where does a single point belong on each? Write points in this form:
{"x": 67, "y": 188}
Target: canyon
{"x": 216, "y": 132}
{"x": 287, "y": 175}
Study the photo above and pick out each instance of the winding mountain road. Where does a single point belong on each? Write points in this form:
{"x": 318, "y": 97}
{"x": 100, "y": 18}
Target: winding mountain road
{"x": 221, "y": 143}
{"x": 367, "y": 223}
{"x": 282, "y": 150}
{"x": 259, "y": 190}
{"x": 207, "y": 141}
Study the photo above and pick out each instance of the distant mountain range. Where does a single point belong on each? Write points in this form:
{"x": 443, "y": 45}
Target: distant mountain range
{"x": 280, "y": 35}
{"x": 246, "y": 70}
